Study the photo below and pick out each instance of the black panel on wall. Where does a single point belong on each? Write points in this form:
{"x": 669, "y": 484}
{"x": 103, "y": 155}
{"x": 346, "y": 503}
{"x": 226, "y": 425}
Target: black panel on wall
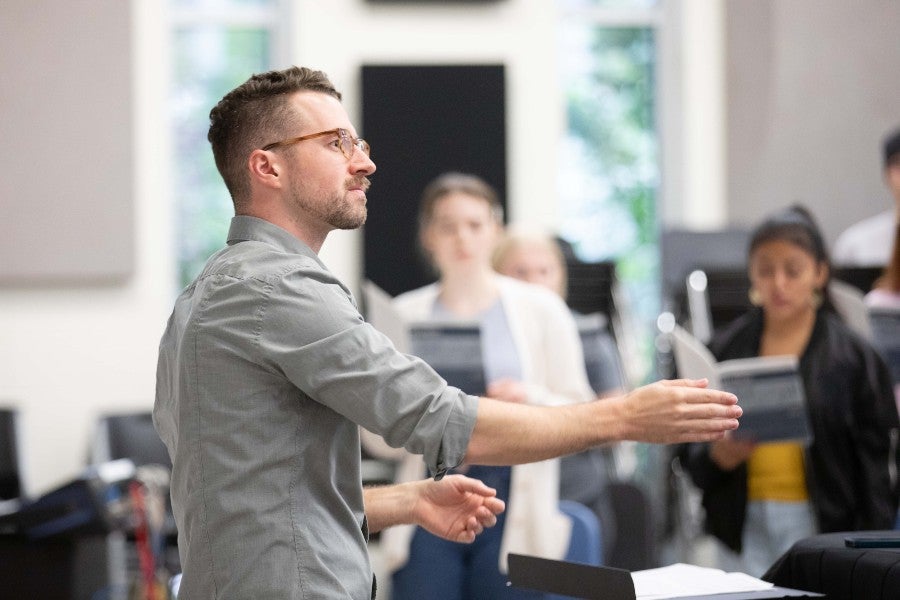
{"x": 423, "y": 121}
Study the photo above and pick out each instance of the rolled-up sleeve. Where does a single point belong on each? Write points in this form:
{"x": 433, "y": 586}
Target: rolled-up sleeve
{"x": 312, "y": 332}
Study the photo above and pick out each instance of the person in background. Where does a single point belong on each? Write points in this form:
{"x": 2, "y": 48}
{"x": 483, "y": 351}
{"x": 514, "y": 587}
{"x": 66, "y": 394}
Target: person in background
{"x": 266, "y": 371}
{"x": 761, "y": 498}
{"x": 868, "y": 242}
{"x": 534, "y": 256}
{"x": 885, "y": 296}
{"x": 885, "y": 291}
{"x": 531, "y": 355}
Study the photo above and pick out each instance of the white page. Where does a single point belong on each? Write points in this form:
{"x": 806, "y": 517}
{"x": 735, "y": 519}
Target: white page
{"x": 769, "y": 389}
{"x": 694, "y": 360}
{"x": 382, "y": 315}
{"x": 690, "y": 580}
{"x": 849, "y": 301}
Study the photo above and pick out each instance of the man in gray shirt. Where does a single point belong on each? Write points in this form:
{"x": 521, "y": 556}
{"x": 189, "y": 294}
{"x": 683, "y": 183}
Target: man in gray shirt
{"x": 266, "y": 368}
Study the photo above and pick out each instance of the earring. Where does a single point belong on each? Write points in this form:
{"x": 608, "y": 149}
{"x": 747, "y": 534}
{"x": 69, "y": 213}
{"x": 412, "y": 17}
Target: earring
{"x": 817, "y": 299}
{"x": 755, "y": 297}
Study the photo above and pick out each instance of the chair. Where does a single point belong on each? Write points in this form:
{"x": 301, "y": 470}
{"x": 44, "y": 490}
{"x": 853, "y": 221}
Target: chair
{"x": 861, "y": 278}
{"x": 635, "y": 546}
{"x": 585, "y": 544}
{"x": 683, "y": 251}
{"x": 594, "y": 287}
{"x": 10, "y": 467}
{"x": 132, "y": 436}
{"x": 849, "y": 302}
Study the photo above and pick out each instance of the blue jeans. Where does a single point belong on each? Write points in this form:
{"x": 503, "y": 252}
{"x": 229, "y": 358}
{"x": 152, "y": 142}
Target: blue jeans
{"x": 770, "y": 529}
{"x": 443, "y": 570}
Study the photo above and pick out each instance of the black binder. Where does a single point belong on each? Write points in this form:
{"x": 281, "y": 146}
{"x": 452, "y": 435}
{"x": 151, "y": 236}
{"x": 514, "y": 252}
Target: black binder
{"x": 606, "y": 583}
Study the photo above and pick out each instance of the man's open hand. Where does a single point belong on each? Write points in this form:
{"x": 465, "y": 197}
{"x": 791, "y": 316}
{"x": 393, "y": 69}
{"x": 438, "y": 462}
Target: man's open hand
{"x": 457, "y": 508}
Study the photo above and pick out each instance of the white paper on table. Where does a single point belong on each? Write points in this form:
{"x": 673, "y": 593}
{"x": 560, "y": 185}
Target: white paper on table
{"x": 690, "y": 580}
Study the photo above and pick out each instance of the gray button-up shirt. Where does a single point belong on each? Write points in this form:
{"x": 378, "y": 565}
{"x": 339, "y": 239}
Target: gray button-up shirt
{"x": 265, "y": 369}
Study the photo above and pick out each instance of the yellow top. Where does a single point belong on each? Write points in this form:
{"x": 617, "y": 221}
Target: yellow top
{"x": 775, "y": 472}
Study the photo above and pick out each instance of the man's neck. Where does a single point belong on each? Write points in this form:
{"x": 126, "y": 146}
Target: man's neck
{"x": 307, "y": 234}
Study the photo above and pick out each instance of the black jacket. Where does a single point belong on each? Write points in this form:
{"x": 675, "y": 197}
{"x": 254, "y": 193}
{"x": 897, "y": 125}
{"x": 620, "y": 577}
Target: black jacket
{"x": 853, "y": 415}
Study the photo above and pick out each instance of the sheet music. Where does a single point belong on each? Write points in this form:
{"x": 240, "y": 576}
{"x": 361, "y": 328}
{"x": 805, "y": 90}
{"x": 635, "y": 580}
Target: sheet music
{"x": 769, "y": 389}
{"x": 382, "y": 315}
{"x": 453, "y": 350}
{"x": 681, "y": 579}
{"x": 601, "y": 360}
{"x": 850, "y": 303}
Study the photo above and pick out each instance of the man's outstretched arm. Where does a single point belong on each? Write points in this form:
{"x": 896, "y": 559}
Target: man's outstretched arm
{"x": 662, "y": 412}
{"x": 456, "y": 508}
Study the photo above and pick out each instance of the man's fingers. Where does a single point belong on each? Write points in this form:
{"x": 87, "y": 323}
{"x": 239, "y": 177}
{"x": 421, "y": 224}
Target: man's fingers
{"x": 696, "y": 383}
{"x": 486, "y": 517}
{"x": 711, "y": 411}
{"x": 702, "y": 393}
{"x": 495, "y": 505}
{"x": 476, "y": 486}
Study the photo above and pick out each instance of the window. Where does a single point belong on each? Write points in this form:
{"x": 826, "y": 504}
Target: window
{"x": 216, "y": 45}
{"x": 610, "y": 174}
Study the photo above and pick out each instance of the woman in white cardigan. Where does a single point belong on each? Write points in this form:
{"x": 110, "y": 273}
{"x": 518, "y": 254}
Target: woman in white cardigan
{"x": 532, "y": 354}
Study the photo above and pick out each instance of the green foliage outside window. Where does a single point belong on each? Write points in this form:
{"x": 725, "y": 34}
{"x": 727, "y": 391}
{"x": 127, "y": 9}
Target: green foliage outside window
{"x": 610, "y": 172}
{"x": 208, "y": 62}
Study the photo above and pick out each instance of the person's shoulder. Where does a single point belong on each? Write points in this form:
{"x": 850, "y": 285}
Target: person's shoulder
{"x": 882, "y": 298}
{"x": 843, "y": 340}
{"x": 416, "y": 298}
{"x": 531, "y": 294}
{"x": 864, "y": 225}
{"x": 257, "y": 260}
{"x": 858, "y": 241}
{"x": 844, "y": 350}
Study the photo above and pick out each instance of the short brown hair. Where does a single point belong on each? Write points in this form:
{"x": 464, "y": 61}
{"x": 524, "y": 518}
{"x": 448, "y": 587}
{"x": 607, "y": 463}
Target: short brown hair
{"x": 253, "y": 114}
{"x": 452, "y": 182}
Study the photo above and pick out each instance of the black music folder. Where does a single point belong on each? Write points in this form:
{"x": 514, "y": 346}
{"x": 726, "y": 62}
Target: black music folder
{"x": 607, "y": 583}
{"x": 571, "y": 579}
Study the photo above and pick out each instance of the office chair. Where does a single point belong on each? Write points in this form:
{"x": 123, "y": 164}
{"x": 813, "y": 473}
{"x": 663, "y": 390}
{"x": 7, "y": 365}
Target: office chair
{"x": 585, "y": 545}
{"x": 10, "y": 467}
{"x": 133, "y": 436}
{"x": 129, "y": 435}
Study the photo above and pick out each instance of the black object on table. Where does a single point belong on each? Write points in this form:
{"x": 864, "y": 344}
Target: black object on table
{"x": 824, "y": 563}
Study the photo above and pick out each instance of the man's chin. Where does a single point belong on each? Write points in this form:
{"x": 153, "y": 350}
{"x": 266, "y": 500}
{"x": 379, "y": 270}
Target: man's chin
{"x": 351, "y": 222}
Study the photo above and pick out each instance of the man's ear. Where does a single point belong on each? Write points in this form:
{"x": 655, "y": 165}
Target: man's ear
{"x": 265, "y": 167}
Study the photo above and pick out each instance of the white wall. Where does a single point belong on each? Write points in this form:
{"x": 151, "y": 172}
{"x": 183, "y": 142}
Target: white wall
{"x": 69, "y": 353}
{"x": 520, "y": 34}
{"x": 813, "y": 87}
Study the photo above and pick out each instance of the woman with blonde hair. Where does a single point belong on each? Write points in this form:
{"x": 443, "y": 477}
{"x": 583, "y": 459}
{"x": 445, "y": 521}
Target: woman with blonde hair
{"x": 531, "y": 354}
{"x": 532, "y": 255}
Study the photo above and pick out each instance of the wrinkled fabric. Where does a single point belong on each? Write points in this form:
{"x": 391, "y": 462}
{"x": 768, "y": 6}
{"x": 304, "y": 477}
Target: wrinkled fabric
{"x": 265, "y": 369}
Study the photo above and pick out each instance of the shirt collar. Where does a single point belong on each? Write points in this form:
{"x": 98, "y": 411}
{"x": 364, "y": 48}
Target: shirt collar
{"x": 244, "y": 228}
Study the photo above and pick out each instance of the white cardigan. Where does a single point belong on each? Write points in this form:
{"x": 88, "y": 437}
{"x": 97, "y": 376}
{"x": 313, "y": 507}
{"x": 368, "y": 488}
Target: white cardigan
{"x": 549, "y": 348}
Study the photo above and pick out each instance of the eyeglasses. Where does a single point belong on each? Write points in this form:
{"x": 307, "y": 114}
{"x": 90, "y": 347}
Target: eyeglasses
{"x": 346, "y": 142}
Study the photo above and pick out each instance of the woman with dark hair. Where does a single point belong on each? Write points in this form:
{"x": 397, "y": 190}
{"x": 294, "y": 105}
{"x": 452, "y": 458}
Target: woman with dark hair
{"x": 761, "y": 498}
